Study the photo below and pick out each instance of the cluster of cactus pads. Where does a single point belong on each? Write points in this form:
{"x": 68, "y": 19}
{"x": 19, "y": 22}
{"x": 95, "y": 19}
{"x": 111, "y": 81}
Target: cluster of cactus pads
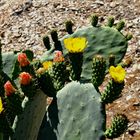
{"x": 71, "y": 72}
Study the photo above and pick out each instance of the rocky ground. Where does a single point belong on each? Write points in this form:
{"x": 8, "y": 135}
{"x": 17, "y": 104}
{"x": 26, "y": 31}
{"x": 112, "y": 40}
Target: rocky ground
{"x": 24, "y": 22}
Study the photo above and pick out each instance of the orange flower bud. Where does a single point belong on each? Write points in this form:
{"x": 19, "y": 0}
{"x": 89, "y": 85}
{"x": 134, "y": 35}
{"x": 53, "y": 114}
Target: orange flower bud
{"x": 9, "y": 89}
{"x": 58, "y": 57}
{"x": 23, "y": 60}
{"x": 25, "y": 78}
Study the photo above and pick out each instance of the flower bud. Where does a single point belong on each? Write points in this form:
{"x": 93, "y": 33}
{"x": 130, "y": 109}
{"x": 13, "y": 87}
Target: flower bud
{"x": 23, "y": 60}
{"x": 41, "y": 70}
{"x": 25, "y": 78}
{"x": 9, "y": 89}
{"x": 58, "y": 56}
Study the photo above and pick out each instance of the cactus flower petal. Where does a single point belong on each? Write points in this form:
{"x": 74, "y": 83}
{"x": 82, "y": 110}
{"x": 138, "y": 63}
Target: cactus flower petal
{"x": 58, "y": 56}
{"x": 9, "y": 89}
{"x": 25, "y": 78}
{"x": 1, "y": 106}
{"x": 47, "y": 64}
{"x": 23, "y": 60}
{"x": 75, "y": 45}
{"x": 117, "y": 73}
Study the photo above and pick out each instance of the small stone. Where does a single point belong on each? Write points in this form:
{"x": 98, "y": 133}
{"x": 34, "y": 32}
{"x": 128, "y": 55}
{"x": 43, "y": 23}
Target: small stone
{"x": 113, "y": 4}
{"x": 128, "y": 97}
{"x": 99, "y": 2}
{"x": 136, "y": 67}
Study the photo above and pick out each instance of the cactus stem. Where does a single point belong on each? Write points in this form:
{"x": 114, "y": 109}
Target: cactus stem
{"x": 76, "y": 60}
{"x": 46, "y": 42}
{"x": 120, "y": 25}
{"x": 98, "y": 70}
{"x": 112, "y": 60}
{"x": 69, "y": 25}
{"x": 54, "y": 35}
{"x": 57, "y": 43}
{"x": 110, "y": 22}
{"x": 0, "y": 56}
{"x": 1, "y": 136}
{"x": 94, "y": 20}
{"x": 118, "y": 126}
{"x": 112, "y": 91}
{"x": 128, "y": 36}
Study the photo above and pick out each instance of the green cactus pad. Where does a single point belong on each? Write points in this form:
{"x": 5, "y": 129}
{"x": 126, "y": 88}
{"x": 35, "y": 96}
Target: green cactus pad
{"x": 1, "y": 136}
{"x": 9, "y": 60}
{"x": 101, "y": 41}
{"x": 48, "y": 55}
{"x": 76, "y": 117}
{"x": 11, "y": 65}
{"x": 3, "y": 79}
{"x": 30, "y": 54}
{"x": 14, "y": 104}
{"x": 46, "y": 84}
{"x": 4, "y": 126}
{"x": 26, "y": 125}
{"x": 77, "y": 108}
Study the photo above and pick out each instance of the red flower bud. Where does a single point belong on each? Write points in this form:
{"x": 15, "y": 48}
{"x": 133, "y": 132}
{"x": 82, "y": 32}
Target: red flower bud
{"x": 23, "y": 60}
{"x": 9, "y": 89}
{"x": 25, "y": 78}
{"x": 58, "y": 56}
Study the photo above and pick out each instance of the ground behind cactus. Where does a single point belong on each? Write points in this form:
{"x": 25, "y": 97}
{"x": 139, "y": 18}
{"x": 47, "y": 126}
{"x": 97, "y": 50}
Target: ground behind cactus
{"x": 24, "y": 22}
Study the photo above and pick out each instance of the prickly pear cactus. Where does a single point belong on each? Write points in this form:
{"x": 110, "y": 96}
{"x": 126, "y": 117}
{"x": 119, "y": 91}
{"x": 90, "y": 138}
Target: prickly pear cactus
{"x": 21, "y": 114}
{"x": 102, "y": 40}
{"x": 78, "y": 110}
{"x": 71, "y": 72}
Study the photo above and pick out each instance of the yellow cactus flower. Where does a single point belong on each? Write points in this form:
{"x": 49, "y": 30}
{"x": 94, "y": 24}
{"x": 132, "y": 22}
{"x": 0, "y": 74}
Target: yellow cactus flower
{"x": 117, "y": 73}
{"x": 1, "y": 105}
{"x": 75, "y": 45}
{"x": 47, "y": 64}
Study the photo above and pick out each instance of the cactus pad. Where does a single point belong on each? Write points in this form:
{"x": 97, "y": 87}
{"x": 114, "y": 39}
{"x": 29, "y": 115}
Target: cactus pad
{"x": 27, "y": 124}
{"x": 76, "y": 116}
{"x": 101, "y": 41}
